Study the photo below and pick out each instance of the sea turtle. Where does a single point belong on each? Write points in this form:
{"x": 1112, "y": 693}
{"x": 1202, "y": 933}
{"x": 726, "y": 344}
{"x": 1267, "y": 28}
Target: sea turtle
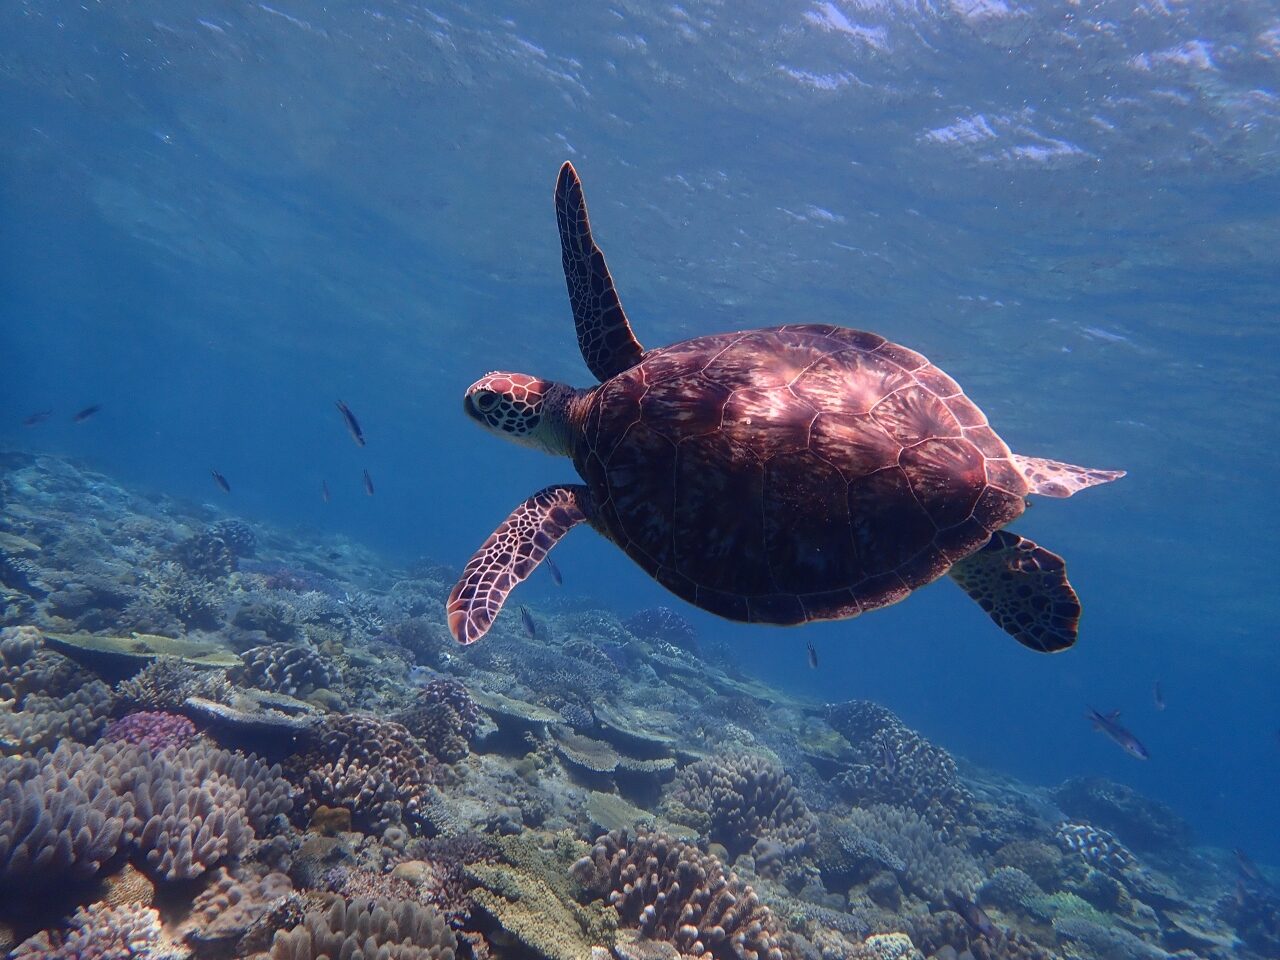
{"x": 795, "y": 473}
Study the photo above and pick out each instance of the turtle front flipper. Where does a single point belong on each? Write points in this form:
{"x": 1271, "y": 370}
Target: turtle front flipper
{"x": 511, "y": 553}
{"x": 1025, "y": 590}
{"x": 604, "y": 333}
{"x": 1053, "y": 478}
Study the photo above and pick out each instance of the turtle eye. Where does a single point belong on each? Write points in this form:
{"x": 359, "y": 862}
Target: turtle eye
{"x": 486, "y": 401}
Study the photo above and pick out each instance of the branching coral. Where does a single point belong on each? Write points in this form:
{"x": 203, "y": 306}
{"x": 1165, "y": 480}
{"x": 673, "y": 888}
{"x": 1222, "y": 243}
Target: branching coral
{"x": 70, "y": 812}
{"x": 391, "y": 929}
{"x": 674, "y": 892}
{"x": 444, "y": 717}
{"x": 933, "y": 867}
{"x": 101, "y": 932}
{"x": 44, "y": 697}
{"x": 154, "y": 729}
{"x": 746, "y": 799}
{"x": 284, "y": 668}
{"x": 375, "y": 768}
{"x": 894, "y": 764}
{"x": 166, "y": 684}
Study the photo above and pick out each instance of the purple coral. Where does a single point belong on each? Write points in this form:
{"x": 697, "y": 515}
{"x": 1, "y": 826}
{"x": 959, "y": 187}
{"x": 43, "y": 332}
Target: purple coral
{"x": 154, "y": 729}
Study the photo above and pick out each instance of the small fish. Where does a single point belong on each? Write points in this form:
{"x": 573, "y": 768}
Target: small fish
{"x": 1158, "y": 693}
{"x": 530, "y": 625}
{"x": 40, "y": 416}
{"x": 221, "y": 481}
{"x": 324, "y": 490}
{"x": 888, "y": 758}
{"x": 1248, "y": 869}
{"x": 334, "y": 554}
{"x": 1118, "y": 734}
{"x": 554, "y": 571}
{"x": 368, "y": 483}
{"x": 813, "y": 656}
{"x": 86, "y": 413}
{"x": 420, "y": 676}
{"x": 974, "y": 915}
{"x": 353, "y": 424}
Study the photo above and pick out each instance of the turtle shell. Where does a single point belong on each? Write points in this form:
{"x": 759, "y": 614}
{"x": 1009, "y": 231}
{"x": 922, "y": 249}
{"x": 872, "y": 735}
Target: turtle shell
{"x": 794, "y": 473}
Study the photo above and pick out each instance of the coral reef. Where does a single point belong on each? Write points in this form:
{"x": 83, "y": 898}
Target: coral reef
{"x": 154, "y": 729}
{"x": 894, "y": 764}
{"x": 934, "y": 867}
{"x": 374, "y": 768}
{"x": 745, "y": 800}
{"x": 283, "y": 668}
{"x": 66, "y": 814}
{"x": 444, "y": 717}
{"x": 45, "y": 698}
{"x": 1141, "y": 823}
{"x": 1097, "y": 847}
{"x": 100, "y": 932}
{"x": 665, "y": 625}
{"x": 672, "y": 891}
{"x": 397, "y": 930}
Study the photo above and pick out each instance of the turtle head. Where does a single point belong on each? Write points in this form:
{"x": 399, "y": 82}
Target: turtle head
{"x": 528, "y": 410}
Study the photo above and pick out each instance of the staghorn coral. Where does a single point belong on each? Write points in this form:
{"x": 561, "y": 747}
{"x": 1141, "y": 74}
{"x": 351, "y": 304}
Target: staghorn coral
{"x": 894, "y": 764}
{"x": 70, "y": 812}
{"x": 674, "y": 892}
{"x": 154, "y": 729}
{"x": 444, "y": 717}
{"x": 375, "y": 768}
{"x": 382, "y": 929}
{"x": 283, "y": 668}
{"x": 933, "y": 867}
{"x": 168, "y": 586}
{"x": 102, "y": 932}
{"x": 747, "y": 799}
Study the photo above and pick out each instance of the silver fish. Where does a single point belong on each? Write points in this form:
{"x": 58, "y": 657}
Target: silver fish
{"x": 221, "y": 481}
{"x": 813, "y": 656}
{"x": 1125, "y": 740}
{"x": 368, "y": 483}
{"x": 1158, "y": 693}
{"x": 530, "y": 625}
{"x": 554, "y": 571}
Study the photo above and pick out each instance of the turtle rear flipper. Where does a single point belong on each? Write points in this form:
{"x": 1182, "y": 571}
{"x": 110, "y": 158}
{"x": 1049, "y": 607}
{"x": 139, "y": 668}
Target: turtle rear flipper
{"x": 1052, "y": 478}
{"x": 1024, "y": 588}
{"x": 511, "y": 553}
{"x": 604, "y": 333}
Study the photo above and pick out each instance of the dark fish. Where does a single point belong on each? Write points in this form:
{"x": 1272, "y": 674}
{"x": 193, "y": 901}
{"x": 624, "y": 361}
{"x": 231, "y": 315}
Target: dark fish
{"x": 530, "y": 626}
{"x": 554, "y": 571}
{"x": 324, "y": 490}
{"x": 368, "y": 483}
{"x": 1158, "y": 693}
{"x": 334, "y": 555}
{"x": 352, "y": 423}
{"x": 813, "y": 656}
{"x": 86, "y": 413}
{"x": 1248, "y": 869}
{"x": 1118, "y": 734}
{"x": 40, "y": 416}
{"x": 974, "y": 916}
{"x": 221, "y": 481}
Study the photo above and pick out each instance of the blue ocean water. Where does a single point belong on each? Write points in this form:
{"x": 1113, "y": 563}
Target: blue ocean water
{"x": 219, "y": 218}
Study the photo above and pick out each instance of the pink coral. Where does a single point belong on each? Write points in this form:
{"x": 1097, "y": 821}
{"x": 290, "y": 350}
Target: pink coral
{"x": 154, "y": 729}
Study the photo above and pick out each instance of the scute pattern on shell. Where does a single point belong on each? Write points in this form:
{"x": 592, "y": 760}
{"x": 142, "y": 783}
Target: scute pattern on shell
{"x": 799, "y": 473}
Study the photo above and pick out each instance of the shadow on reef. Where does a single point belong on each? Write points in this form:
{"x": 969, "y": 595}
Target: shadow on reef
{"x": 220, "y": 741}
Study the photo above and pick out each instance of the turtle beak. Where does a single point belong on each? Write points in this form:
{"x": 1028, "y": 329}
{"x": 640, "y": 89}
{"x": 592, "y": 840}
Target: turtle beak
{"x": 469, "y": 407}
